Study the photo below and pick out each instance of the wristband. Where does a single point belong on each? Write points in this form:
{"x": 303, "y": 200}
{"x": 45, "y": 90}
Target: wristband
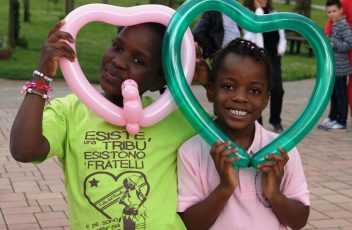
{"x": 36, "y": 85}
{"x": 37, "y": 73}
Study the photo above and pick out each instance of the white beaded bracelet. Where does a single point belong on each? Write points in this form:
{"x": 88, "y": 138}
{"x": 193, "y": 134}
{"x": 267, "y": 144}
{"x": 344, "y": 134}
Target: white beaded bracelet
{"x": 42, "y": 95}
{"x": 40, "y": 74}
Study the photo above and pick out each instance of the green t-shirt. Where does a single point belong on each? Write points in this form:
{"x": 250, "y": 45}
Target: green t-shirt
{"x": 115, "y": 180}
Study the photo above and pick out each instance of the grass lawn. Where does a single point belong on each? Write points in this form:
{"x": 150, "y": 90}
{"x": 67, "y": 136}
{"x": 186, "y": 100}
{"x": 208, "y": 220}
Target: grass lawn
{"x": 95, "y": 37}
{"x": 319, "y": 2}
{"x": 91, "y": 40}
{"x": 297, "y": 67}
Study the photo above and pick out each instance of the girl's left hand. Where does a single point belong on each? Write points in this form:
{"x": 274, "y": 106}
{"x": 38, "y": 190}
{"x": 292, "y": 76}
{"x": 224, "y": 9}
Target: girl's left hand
{"x": 273, "y": 171}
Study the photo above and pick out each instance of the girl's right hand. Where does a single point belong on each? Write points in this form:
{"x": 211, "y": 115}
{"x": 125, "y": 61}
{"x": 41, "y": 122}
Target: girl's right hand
{"x": 223, "y": 164}
{"x": 55, "y": 47}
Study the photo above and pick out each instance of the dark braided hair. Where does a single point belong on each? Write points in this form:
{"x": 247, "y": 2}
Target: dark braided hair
{"x": 241, "y": 47}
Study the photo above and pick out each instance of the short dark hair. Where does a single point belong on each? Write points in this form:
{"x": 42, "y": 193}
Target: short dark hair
{"x": 244, "y": 48}
{"x": 334, "y": 2}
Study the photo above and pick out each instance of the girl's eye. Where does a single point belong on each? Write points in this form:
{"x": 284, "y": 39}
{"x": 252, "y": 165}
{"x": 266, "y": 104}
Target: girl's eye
{"x": 227, "y": 86}
{"x": 138, "y": 61}
{"x": 116, "y": 47}
{"x": 255, "y": 91}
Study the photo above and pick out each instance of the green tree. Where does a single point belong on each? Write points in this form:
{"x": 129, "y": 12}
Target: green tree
{"x": 14, "y": 25}
{"x": 26, "y": 14}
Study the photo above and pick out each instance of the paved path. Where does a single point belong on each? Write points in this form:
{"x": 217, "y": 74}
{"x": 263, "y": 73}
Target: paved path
{"x": 33, "y": 196}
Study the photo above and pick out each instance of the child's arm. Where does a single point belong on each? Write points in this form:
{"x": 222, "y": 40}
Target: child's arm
{"x": 26, "y": 140}
{"x": 290, "y": 212}
{"x": 203, "y": 214}
{"x": 345, "y": 44}
{"x": 202, "y": 68}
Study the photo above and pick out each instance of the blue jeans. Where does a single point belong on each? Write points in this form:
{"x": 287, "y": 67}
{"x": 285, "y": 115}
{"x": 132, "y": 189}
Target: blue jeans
{"x": 339, "y": 101}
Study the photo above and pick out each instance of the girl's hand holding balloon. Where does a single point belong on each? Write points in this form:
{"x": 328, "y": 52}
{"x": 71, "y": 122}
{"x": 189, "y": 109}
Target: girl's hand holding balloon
{"x": 56, "y": 47}
{"x": 223, "y": 164}
{"x": 273, "y": 171}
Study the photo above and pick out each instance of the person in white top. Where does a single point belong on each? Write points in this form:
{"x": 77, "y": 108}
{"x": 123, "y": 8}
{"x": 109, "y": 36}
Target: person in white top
{"x": 214, "y": 195}
{"x": 275, "y": 43}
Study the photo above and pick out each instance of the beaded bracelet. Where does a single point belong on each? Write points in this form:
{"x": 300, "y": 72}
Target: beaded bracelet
{"x": 37, "y": 73}
{"x": 36, "y": 85}
{"x": 42, "y": 95}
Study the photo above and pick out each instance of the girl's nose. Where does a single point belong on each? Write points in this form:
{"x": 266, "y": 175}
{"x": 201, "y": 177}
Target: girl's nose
{"x": 239, "y": 96}
{"x": 120, "y": 61}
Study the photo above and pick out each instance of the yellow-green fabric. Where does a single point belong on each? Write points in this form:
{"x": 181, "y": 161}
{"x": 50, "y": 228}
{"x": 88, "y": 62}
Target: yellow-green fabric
{"x": 115, "y": 180}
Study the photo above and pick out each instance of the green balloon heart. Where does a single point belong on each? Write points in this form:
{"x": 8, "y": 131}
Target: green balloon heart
{"x": 194, "y": 112}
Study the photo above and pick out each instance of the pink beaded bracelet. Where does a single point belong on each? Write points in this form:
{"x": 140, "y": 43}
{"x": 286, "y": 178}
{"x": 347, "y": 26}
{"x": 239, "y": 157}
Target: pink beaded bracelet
{"x": 36, "y": 85}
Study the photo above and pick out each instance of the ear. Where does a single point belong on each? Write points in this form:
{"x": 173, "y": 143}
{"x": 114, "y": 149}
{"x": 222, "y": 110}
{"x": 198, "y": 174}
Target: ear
{"x": 210, "y": 91}
{"x": 266, "y": 99}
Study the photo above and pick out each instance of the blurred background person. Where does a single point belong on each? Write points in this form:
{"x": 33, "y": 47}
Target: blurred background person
{"x": 275, "y": 43}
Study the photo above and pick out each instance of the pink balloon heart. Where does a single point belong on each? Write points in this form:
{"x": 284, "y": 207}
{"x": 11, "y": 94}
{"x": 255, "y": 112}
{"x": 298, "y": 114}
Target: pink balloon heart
{"x": 123, "y": 16}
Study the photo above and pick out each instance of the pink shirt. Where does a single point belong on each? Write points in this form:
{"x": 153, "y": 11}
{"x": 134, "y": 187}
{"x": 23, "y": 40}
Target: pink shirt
{"x": 246, "y": 208}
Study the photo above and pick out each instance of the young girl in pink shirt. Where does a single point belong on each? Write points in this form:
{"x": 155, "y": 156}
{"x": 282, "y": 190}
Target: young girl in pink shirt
{"x": 214, "y": 195}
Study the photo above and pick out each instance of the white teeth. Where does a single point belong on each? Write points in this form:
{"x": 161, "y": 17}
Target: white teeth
{"x": 238, "y": 112}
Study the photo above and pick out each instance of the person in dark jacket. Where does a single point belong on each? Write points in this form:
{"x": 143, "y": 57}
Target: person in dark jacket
{"x": 213, "y": 31}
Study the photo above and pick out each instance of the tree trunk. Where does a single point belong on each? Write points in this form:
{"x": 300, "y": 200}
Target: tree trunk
{"x": 26, "y": 11}
{"x": 287, "y": 2}
{"x": 14, "y": 25}
{"x": 303, "y": 7}
{"x": 70, "y": 5}
{"x": 307, "y": 8}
